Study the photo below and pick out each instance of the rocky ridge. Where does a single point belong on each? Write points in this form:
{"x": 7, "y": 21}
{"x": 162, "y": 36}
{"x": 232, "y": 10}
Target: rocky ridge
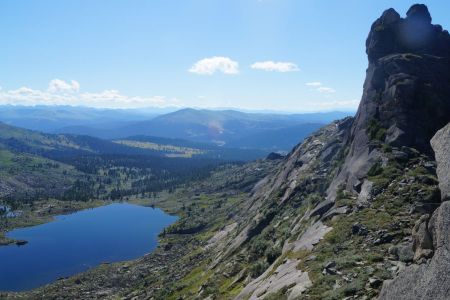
{"x": 383, "y": 150}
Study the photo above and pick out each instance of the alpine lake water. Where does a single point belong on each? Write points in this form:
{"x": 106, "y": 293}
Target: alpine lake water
{"x": 77, "y": 242}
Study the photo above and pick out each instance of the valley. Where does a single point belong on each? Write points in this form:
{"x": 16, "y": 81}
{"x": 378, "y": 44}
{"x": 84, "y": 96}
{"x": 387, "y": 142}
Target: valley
{"x": 183, "y": 204}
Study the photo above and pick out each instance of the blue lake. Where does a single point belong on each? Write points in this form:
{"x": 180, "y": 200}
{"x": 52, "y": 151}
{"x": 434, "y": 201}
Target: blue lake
{"x": 79, "y": 241}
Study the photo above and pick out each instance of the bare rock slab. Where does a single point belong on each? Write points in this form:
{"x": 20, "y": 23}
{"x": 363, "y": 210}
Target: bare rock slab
{"x": 441, "y": 146}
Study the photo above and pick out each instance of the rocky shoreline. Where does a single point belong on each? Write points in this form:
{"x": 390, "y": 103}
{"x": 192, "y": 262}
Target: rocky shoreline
{"x": 41, "y": 212}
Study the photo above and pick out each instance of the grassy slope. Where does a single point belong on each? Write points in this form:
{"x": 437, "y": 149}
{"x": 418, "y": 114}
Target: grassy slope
{"x": 171, "y": 151}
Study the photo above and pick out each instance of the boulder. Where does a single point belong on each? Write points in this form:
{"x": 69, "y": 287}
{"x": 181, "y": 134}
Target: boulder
{"x": 439, "y": 228}
{"x": 322, "y": 208}
{"x": 405, "y": 252}
{"x": 422, "y": 242}
{"x": 375, "y": 282}
{"x": 383, "y": 237}
{"x": 359, "y": 229}
{"x": 335, "y": 211}
{"x": 430, "y": 280}
{"x": 441, "y": 146}
{"x": 365, "y": 195}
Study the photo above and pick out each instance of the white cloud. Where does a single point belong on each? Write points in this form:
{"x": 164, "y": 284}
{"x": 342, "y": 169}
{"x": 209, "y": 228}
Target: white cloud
{"x": 211, "y": 65}
{"x": 275, "y": 66}
{"x": 326, "y": 90}
{"x": 63, "y": 93}
{"x": 58, "y": 85}
{"x": 321, "y": 88}
{"x": 314, "y": 83}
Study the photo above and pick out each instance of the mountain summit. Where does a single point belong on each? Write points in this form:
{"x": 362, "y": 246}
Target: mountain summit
{"x": 406, "y": 91}
{"x": 391, "y": 34}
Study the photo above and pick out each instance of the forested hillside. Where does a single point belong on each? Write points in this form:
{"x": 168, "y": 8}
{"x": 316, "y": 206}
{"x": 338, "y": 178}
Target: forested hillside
{"x": 37, "y": 166}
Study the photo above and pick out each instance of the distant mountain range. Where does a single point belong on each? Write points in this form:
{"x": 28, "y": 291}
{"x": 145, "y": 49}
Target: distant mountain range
{"x": 229, "y": 128}
{"x": 51, "y": 118}
{"x": 271, "y": 132}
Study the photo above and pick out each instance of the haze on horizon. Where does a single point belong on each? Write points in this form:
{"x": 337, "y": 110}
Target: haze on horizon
{"x": 275, "y": 55}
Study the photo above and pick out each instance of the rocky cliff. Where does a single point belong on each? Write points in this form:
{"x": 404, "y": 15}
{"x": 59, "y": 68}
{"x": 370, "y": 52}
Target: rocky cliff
{"x": 379, "y": 178}
{"x": 441, "y": 147}
{"x": 406, "y": 92}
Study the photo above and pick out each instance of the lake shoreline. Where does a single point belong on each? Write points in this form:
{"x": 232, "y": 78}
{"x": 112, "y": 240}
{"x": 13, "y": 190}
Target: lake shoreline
{"x": 65, "y": 209}
{"x": 47, "y": 210}
{"x": 42, "y": 212}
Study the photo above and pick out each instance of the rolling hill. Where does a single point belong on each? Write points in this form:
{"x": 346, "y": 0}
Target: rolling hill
{"x": 224, "y": 128}
{"x": 35, "y": 164}
{"x": 49, "y": 119}
{"x": 229, "y": 127}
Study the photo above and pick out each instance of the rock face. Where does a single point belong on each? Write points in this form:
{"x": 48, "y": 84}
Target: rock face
{"x": 430, "y": 280}
{"x": 423, "y": 243}
{"x": 307, "y": 164}
{"x": 441, "y": 147}
{"x": 284, "y": 275}
{"x": 406, "y": 100}
{"x": 406, "y": 96}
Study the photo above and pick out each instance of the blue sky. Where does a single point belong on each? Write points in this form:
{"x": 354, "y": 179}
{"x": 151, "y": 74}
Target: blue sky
{"x": 120, "y": 53}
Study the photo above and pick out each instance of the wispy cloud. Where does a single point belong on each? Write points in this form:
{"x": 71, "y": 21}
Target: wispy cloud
{"x": 211, "y": 65}
{"x": 326, "y": 90}
{"x": 314, "y": 83}
{"x": 275, "y": 66}
{"x": 58, "y": 85}
{"x": 318, "y": 86}
{"x": 60, "y": 92}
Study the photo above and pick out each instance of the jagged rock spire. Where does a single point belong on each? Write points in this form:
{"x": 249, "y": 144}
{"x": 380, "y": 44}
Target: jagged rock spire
{"x": 406, "y": 96}
{"x": 392, "y": 34}
{"x": 407, "y": 88}
{"x": 419, "y": 13}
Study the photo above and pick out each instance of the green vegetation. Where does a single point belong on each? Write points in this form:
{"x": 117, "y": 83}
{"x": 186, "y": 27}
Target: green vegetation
{"x": 375, "y": 131}
{"x": 388, "y": 221}
{"x": 37, "y": 166}
{"x": 169, "y": 150}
